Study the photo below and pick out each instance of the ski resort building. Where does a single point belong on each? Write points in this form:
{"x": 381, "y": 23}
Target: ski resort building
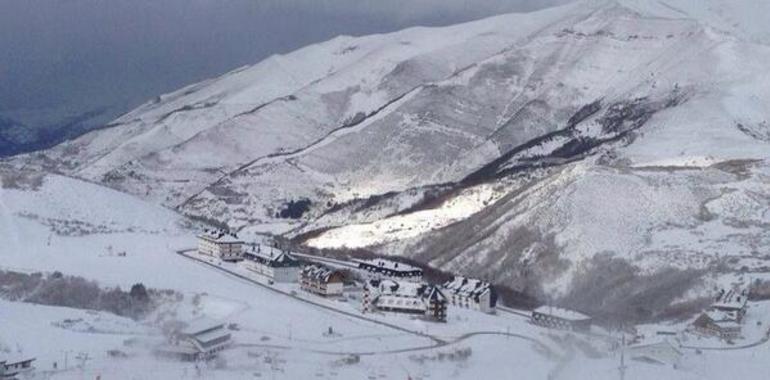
{"x": 220, "y": 244}
{"x": 718, "y": 323}
{"x": 559, "y": 318}
{"x": 732, "y": 303}
{"x": 380, "y": 268}
{"x": 724, "y": 317}
{"x": 15, "y": 367}
{"x": 405, "y": 297}
{"x": 201, "y": 340}
{"x": 277, "y": 266}
{"x": 321, "y": 280}
{"x": 471, "y": 294}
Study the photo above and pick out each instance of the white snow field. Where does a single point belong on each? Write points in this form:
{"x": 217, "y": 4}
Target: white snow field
{"x": 270, "y": 325}
{"x": 400, "y": 113}
{"x": 277, "y": 336}
{"x": 492, "y": 124}
{"x": 437, "y": 103}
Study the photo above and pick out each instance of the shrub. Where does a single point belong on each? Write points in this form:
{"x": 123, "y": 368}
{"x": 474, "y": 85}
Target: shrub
{"x": 57, "y": 289}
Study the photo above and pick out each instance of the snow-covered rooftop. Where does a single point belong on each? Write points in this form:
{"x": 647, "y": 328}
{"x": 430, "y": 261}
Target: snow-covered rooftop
{"x": 658, "y": 340}
{"x": 318, "y": 272}
{"x": 731, "y": 300}
{"x": 565, "y": 314}
{"x": 271, "y": 257}
{"x": 388, "y": 265}
{"x": 467, "y": 286}
{"x": 404, "y": 289}
{"x": 722, "y": 316}
{"x": 220, "y": 236}
{"x": 398, "y": 288}
{"x": 403, "y": 294}
{"x": 209, "y": 336}
{"x": 201, "y": 325}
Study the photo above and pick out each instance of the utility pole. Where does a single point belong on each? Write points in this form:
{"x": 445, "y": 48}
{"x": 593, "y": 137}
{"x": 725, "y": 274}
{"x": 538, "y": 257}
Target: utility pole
{"x": 66, "y": 359}
{"x": 622, "y": 367}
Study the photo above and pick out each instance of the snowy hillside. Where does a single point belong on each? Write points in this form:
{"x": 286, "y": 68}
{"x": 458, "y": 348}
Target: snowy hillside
{"x": 526, "y": 148}
{"x": 79, "y": 228}
{"x": 50, "y": 222}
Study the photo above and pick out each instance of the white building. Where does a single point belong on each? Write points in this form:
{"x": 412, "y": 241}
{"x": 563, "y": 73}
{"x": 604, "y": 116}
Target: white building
{"x": 201, "y": 340}
{"x": 277, "y": 266}
{"x": 404, "y": 297}
{"x": 471, "y": 294}
{"x": 220, "y": 244}
{"x": 558, "y": 318}
{"x": 381, "y": 268}
{"x": 321, "y": 280}
{"x": 15, "y": 367}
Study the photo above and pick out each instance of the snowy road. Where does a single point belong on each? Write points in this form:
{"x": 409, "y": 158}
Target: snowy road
{"x": 561, "y": 359}
{"x": 457, "y": 340}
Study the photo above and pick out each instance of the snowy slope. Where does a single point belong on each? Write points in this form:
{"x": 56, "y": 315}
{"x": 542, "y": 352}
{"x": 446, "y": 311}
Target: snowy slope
{"x": 276, "y": 336}
{"x": 549, "y": 140}
{"x": 468, "y": 89}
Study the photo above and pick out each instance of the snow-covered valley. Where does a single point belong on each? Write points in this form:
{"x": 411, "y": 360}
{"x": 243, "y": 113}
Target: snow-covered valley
{"x": 277, "y": 336}
{"x": 611, "y": 156}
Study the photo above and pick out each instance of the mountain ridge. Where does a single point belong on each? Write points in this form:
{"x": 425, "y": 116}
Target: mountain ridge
{"x": 402, "y": 142}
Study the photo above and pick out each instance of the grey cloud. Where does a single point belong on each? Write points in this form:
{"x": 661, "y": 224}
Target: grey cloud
{"x": 64, "y": 57}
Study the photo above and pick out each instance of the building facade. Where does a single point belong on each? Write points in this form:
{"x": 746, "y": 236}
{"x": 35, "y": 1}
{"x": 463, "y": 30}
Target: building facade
{"x": 221, "y": 244}
{"x": 13, "y": 368}
{"x": 275, "y": 265}
{"x": 404, "y": 297}
{"x": 321, "y": 280}
{"x": 715, "y": 323}
{"x": 724, "y": 317}
{"x": 381, "y": 268}
{"x": 558, "y": 318}
{"x": 470, "y": 294}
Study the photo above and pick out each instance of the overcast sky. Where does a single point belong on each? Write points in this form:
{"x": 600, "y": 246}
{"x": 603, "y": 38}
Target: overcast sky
{"x": 80, "y": 55}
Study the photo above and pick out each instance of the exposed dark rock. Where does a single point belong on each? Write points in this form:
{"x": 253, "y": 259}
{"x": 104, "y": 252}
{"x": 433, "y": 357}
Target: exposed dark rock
{"x": 295, "y": 209}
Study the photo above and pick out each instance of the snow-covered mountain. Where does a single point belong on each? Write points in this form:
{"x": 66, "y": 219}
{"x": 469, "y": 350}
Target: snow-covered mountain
{"x": 538, "y": 150}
